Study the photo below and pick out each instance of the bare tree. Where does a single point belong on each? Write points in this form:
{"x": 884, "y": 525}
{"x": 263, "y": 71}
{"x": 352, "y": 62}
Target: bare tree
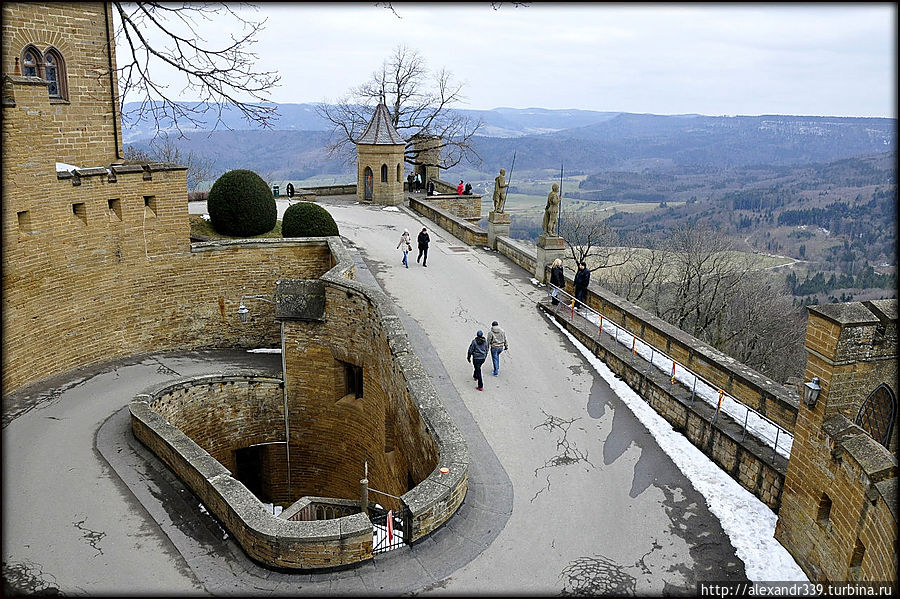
{"x": 590, "y": 239}
{"x": 163, "y": 149}
{"x": 419, "y": 101}
{"x": 160, "y": 36}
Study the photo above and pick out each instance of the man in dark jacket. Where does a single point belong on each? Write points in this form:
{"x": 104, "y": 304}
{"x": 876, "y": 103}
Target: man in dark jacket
{"x": 582, "y": 280}
{"x": 477, "y": 354}
{"x": 423, "y": 240}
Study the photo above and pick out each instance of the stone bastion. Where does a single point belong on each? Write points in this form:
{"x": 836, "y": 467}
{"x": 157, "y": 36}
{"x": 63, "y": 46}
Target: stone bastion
{"x": 354, "y": 402}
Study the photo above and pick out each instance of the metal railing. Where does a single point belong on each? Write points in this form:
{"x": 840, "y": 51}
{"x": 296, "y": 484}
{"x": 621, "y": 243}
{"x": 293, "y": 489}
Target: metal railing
{"x": 757, "y": 425}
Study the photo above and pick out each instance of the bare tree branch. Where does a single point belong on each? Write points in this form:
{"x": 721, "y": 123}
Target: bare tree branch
{"x": 419, "y": 102}
{"x": 165, "y": 37}
{"x": 163, "y": 149}
{"x": 590, "y": 239}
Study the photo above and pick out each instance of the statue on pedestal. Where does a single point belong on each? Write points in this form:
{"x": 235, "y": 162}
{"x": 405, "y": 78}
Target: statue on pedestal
{"x": 500, "y": 186}
{"x": 551, "y": 211}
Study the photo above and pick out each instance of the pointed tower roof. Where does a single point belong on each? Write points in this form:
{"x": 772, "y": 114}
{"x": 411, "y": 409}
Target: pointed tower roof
{"x": 380, "y": 131}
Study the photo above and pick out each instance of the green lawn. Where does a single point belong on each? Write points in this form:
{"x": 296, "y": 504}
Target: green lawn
{"x": 201, "y": 227}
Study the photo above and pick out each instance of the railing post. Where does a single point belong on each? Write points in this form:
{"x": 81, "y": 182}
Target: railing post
{"x": 746, "y": 416}
{"x": 775, "y": 449}
{"x": 694, "y": 389}
{"x": 364, "y": 495}
{"x": 652, "y": 353}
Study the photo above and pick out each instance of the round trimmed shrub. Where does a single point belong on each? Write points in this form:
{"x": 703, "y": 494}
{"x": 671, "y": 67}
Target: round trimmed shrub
{"x": 307, "y": 219}
{"x": 241, "y": 204}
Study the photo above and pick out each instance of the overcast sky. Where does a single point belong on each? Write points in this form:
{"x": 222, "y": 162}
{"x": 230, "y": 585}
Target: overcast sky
{"x": 727, "y": 59}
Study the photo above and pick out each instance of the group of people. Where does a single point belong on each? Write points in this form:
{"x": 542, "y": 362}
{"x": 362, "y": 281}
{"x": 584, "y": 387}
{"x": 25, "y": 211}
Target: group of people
{"x": 495, "y": 343}
{"x": 415, "y": 182}
{"x": 464, "y": 189}
{"x": 405, "y": 246}
{"x": 558, "y": 279}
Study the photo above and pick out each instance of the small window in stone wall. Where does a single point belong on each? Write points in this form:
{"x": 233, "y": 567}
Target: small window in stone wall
{"x": 823, "y": 518}
{"x": 80, "y": 211}
{"x": 384, "y": 173}
{"x": 25, "y": 226}
{"x": 115, "y": 210}
{"x": 353, "y": 380}
{"x": 400, "y": 173}
{"x": 856, "y": 560}
{"x": 389, "y": 441}
{"x": 150, "y": 206}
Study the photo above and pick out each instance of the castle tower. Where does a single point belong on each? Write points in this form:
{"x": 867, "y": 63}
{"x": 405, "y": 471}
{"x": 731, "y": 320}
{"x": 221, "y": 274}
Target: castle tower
{"x": 837, "y": 515}
{"x": 427, "y": 149}
{"x": 379, "y": 170}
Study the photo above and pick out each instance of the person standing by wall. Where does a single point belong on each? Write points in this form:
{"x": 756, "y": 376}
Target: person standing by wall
{"x": 410, "y": 180}
{"x": 423, "y": 239}
{"x": 418, "y": 181}
{"x": 468, "y": 190}
{"x": 582, "y": 280}
{"x": 430, "y": 188}
{"x": 459, "y": 188}
{"x": 477, "y": 354}
{"x": 557, "y": 279}
{"x": 496, "y": 339}
{"x": 405, "y": 245}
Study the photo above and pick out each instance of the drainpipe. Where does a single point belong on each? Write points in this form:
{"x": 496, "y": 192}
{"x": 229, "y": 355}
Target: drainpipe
{"x": 287, "y": 430}
{"x": 112, "y": 81}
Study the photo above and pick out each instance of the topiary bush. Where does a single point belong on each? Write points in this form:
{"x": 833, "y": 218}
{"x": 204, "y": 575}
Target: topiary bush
{"x": 241, "y": 204}
{"x": 307, "y": 219}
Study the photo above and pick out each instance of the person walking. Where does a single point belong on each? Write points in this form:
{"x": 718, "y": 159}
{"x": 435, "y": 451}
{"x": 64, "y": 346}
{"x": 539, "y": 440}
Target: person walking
{"x": 477, "y": 354}
{"x": 405, "y": 245}
{"x": 423, "y": 239}
{"x": 557, "y": 279}
{"x": 496, "y": 339}
{"x": 582, "y": 280}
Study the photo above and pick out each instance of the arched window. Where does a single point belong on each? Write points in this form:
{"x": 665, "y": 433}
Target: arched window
{"x": 31, "y": 62}
{"x": 50, "y": 66}
{"x": 876, "y": 416}
{"x": 384, "y": 173}
{"x": 53, "y": 72}
{"x": 399, "y": 173}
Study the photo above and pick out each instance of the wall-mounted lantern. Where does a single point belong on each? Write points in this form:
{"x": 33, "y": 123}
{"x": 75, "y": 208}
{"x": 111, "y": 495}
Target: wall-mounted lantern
{"x": 244, "y": 312}
{"x": 811, "y": 392}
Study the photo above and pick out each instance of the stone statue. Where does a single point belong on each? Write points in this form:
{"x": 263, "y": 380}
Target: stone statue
{"x": 551, "y": 211}
{"x": 500, "y": 186}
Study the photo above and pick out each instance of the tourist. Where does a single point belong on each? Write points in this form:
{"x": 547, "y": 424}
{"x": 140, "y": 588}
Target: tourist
{"x": 410, "y": 179}
{"x": 582, "y": 280}
{"x": 558, "y": 279}
{"x": 477, "y": 354}
{"x": 468, "y": 190}
{"x": 423, "y": 240}
{"x": 496, "y": 339}
{"x": 430, "y": 188}
{"x": 418, "y": 181}
{"x": 459, "y": 188}
{"x": 405, "y": 245}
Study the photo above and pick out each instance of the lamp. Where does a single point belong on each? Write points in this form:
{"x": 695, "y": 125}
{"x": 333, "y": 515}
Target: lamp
{"x": 244, "y": 312}
{"x": 811, "y": 392}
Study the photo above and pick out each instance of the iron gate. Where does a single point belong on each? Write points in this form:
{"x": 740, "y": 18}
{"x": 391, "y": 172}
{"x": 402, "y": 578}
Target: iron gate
{"x": 389, "y": 537}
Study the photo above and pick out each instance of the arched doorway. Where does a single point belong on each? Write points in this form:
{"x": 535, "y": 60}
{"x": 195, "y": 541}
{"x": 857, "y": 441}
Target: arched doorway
{"x": 368, "y": 185}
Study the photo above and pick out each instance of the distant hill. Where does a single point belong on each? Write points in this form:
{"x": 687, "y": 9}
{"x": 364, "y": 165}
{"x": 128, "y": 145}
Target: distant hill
{"x": 585, "y": 141}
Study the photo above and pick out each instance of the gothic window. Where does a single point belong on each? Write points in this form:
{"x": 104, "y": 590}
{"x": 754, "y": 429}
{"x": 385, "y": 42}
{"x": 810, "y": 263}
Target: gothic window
{"x": 30, "y": 62}
{"x": 49, "y": 66}
{"x": 52, "y": 69}
{"x": 384, "y": 171}
{"x": 876, "y": 416}
{"x": 399, "y": 173}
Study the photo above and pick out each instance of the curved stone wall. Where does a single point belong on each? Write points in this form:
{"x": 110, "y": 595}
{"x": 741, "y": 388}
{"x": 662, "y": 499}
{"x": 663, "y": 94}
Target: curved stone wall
{"x": 398, "y": 427}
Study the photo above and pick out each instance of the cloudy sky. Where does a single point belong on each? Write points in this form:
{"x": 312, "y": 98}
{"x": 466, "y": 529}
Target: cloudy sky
{"x": 726, "y": 59}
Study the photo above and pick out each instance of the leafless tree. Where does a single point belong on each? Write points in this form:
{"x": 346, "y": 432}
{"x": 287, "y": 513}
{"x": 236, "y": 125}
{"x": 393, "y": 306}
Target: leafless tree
{"x": 590, "y": 239}
{"x": 163, "y": 149}
{"x": 641, "y": 279}
{"x": 161, "y": 36}
{"x": 419, "y": 101}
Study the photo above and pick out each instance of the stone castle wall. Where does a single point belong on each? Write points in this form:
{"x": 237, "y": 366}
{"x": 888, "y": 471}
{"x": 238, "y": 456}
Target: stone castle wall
{"x": 85, "y": 128}
{"x": 839, "y": 515}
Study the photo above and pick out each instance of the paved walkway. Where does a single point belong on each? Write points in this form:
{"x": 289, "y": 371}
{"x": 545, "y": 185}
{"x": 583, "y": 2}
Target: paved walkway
{"x": 569, "y": 492}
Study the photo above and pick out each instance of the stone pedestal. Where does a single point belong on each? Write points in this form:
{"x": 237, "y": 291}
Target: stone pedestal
{"x": 498, "y": 226}
{"x": 548, "y": 249}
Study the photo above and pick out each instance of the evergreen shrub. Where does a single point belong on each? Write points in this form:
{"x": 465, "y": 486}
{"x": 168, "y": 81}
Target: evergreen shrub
{"x": 241, "y": 204}
{"x": 307, "y": 219}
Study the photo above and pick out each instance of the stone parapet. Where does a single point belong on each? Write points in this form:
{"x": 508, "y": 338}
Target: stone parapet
{"x": 458, "y": 227}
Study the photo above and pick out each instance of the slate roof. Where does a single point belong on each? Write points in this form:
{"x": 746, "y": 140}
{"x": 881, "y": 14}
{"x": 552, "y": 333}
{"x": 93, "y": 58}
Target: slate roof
{"x": 380, "y": 131}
